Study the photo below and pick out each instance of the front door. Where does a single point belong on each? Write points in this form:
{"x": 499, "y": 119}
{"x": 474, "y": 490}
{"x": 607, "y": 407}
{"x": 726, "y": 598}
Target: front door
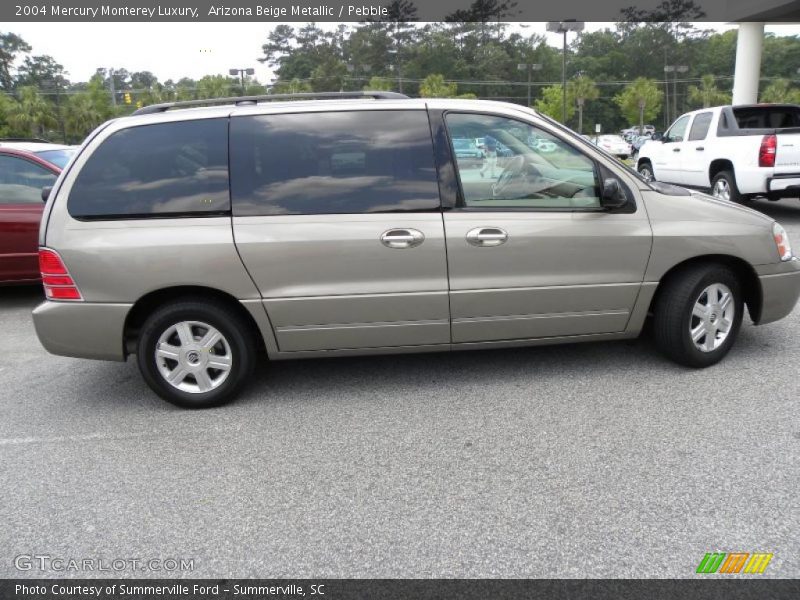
{"x": 530, "y": 252}
{"x": 668, "y": 163}
{"x": 337, "y": 218}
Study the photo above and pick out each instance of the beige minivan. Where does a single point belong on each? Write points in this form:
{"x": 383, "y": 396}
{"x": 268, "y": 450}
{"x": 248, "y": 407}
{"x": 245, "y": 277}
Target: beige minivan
{"x": 199, "y": 237}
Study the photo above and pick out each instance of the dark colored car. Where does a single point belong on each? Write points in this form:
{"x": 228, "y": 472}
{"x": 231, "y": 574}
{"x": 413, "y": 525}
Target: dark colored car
{"x": 25, "y": 168}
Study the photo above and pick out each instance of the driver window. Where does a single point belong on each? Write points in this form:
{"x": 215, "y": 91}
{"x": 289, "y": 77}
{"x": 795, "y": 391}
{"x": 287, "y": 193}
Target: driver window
{"x": 677, "y": 132}
{"x": 504, "y": 163}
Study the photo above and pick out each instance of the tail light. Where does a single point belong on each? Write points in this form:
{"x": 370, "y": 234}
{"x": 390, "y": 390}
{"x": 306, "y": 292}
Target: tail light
{"x": 58, "y": 283}
{"x": 766, "y": 153}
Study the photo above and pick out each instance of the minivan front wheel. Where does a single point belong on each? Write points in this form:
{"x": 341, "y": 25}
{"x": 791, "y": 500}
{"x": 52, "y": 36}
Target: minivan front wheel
{"x": 195, "y": 354}
{"x": 698, "y": 314}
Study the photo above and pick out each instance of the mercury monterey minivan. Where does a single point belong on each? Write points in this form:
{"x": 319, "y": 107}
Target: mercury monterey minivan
{"x": 200, "y": 237}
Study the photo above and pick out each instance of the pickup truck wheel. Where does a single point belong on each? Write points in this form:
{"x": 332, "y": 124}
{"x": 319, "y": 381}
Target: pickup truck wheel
{"x": 724, "y": 187}
{"x": 195, "y": 354}
{"x": 698, "y": 314}
{"x": 646, "y": 171}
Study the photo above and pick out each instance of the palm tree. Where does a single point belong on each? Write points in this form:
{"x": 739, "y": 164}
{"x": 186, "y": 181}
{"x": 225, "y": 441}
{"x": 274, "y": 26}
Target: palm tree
{"x": 582, "y": 89}
{"x": 640, "y": 101}
{"x": 32, "y": 113}
{"x": 780, "y": 91}
{"x": 213, "y": 86}
{"x": 708, "y": 94}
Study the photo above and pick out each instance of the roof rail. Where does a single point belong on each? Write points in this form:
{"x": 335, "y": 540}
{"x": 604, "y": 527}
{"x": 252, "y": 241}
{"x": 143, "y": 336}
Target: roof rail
{"x": 159, "y": 108}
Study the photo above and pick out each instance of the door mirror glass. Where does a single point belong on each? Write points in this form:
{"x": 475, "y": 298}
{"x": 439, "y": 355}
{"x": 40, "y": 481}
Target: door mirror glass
{"x": 613, "y": 195}
{"x": 46, "y": 192}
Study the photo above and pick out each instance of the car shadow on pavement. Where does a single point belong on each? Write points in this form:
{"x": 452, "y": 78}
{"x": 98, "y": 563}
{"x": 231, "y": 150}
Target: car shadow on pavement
{"x": 786, "y": 211}
{"x": 20, "y": 296}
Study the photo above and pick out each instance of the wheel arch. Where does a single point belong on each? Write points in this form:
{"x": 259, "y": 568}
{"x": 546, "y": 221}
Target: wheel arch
{"x": 751, "y": 286}
{"x": 145, "y": 306}
{"x": 717, "y": 166}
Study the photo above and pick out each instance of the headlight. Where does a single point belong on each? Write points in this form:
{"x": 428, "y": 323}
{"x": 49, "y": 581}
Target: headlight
{"x": 782, "y": 241}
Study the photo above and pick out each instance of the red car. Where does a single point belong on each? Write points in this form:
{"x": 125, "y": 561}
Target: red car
{"x": 25, "y": 168}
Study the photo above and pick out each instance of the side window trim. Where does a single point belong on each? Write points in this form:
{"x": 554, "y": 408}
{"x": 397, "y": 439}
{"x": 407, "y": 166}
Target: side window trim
{"x": 461, "y": 206}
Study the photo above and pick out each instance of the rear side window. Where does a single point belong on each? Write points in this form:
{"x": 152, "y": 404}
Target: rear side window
{"x": 700, "y": 125}
{"x": 332, "y": 162}
{"x": 162, "y": 170}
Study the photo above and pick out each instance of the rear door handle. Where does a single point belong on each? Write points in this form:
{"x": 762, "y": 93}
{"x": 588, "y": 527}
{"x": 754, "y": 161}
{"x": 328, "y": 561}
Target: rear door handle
{"x": 402, "y": 238}
{"x": 676, "y": 149}
{"x": 486, "y": 237}
{"x": 700, "y": 148}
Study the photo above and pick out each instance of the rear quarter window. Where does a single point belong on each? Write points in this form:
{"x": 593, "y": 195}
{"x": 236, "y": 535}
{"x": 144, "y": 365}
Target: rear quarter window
{"x": 159, "y": 170}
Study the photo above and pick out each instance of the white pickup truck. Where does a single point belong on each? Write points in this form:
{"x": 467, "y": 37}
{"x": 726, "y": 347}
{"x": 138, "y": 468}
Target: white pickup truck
{"x": 737, "y": 151}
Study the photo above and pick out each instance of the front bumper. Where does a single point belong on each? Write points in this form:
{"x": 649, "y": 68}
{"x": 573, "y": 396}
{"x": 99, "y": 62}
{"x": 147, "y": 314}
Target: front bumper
{"x": 82, "y": 329}
{"x": 779, "y": 291}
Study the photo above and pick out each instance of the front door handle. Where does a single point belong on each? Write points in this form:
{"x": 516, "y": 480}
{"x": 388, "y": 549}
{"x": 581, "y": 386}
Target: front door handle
{"x": 676, "y": 149}
{"x": 699, "y": 148}
{"x": 486, "y": 237}
{"x": 402, "y": 238}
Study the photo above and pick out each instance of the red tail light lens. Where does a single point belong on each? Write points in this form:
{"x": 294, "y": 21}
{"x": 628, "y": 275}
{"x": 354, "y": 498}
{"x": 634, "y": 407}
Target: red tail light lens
{"x": 51, "y": 263}
{"x": 58, "y": 284}
{"x": 767, "y": 151}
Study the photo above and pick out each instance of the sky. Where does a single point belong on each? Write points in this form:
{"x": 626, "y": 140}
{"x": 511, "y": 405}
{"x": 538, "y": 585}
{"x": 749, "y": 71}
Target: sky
{"x": 175, "y": 50}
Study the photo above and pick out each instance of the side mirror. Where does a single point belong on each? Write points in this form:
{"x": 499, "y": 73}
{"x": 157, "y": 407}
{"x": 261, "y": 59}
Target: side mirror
{"x": 46, "y": 192}
{"x": 657, "y": 137}
{"x": 613, "y": 195}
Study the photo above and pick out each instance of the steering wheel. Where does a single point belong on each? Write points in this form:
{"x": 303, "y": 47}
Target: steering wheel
{"x": 513, "y": 169}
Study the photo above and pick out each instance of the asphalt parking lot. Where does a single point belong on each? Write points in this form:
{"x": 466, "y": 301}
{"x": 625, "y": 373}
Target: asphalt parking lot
{"x": 596, "y": 460}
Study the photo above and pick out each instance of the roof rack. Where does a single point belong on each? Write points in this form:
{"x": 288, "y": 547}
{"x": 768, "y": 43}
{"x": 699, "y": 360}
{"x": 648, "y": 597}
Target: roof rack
{"x": 23, "y": 139}
{"x": 240, "y": 100}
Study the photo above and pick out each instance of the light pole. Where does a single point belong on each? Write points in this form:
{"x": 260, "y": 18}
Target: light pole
{"x": 529, "y": 67}
{"x": 667, "y": 70}
{"x": 102, "y": 71}
{"x": 563, "y": 27}
{"x": 242, "y": 72}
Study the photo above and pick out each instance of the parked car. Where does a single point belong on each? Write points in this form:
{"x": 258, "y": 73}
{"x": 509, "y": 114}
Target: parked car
{"x": 739, "y": 152}
{"x": 54, "y": 154}
{"x": 465, "y": 148}
{"x": 614, "y": 144}
{"x": 25, "y": 168}
{"x": 196, "y": 239}
{"x": 637, "y": 143}
{"x": 542, "y": 145}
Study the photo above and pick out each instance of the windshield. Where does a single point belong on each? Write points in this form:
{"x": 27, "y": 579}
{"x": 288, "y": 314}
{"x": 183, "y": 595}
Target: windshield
{"x": 59, "y": 158}
{"x": 462, "y": 144}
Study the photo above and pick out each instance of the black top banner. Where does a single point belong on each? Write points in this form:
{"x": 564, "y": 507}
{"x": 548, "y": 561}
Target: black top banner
{"x": 487, "y": 11}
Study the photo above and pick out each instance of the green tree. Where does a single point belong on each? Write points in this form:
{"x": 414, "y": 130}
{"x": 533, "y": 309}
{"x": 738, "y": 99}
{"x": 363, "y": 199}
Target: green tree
{"x": 87, "y": 109}
{"x": 11, "y": 46}
{"x": 213, "y": 86}
{"x": 32, "y": 113}
{"x": 379, "y": 84}
{"x": 551, "y": 102}
{"x": 434, "y": 86}
{"x": 295, "y": 86}
{"x": 707, "y": 94}
{"x": 781, "y": 90}
{"x": 581, "y": 89}
{"x": 640, "y": 101}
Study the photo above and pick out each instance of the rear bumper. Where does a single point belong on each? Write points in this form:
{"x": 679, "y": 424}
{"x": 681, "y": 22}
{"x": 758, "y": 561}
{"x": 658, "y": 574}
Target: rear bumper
{"x": 82, "y": 329}
{"x": 779, "y": 292}
{"x": 784, "y": 185}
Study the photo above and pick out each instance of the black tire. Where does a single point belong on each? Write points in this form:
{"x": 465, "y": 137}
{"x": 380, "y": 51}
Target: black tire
{"x": 238, "y": 342}
{"x": 729, "y": 181}
{"x": 646, "y": 170}
{"x": 673, "y": 318}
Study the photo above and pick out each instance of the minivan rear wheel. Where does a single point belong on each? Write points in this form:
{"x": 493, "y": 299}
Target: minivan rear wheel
{"x": 196, "y": 354}
{"x": 698, "y": 314}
